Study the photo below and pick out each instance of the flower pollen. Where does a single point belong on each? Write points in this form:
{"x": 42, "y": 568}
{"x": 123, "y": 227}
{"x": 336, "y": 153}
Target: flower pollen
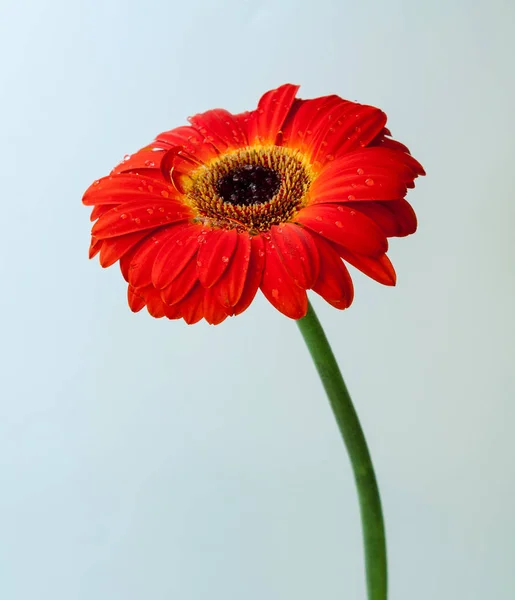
{"x": 252, "y": 188}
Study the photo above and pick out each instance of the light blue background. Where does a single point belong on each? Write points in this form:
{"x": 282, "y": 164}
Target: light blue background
{"x": 144, "y": 459}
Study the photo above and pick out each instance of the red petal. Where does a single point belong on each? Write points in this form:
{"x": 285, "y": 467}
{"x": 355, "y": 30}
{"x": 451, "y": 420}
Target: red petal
{"x": 229, "y": 287}
{"x": 114, "y": 248}
{"x": 215, "y": 255}
{"x": 214, "y": 313}
{"x": 139, "y": 216}
{"x": 94, "y": 247}
{"x": 395, "y": 217}
{"x": 334, "y": 283}
{"x": 266, "y": 121}
{"x": 254, "y": 274}
{"x": 351, "y": 126}
{"x": 181, "y": 285}
{"x": 175, "y": 254}
{"x": 136, "y": 298}
{"x": 279, "y": 288}
{"x": 146, "y": 161}
{"x": 141, "y": 262}
{"x": 307, "y": 118}
{"x": 192, "y": 307}
{"x": 384, "y": 142}
{"x": 155, "y": 305}
{"x": 379, "y": 268}
{"x": 346, "y": 227}
{"x": 128, "y": 187}
{"x": 100, "y": 210}
{"x": 368, "y": 174}
{"x": 220, "y": 128}
{"x": 191, "y": 140}
{"x": 298, "y": 253}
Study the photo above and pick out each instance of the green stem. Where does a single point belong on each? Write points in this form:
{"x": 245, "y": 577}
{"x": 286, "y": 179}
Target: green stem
{"x": 350, "y": 429}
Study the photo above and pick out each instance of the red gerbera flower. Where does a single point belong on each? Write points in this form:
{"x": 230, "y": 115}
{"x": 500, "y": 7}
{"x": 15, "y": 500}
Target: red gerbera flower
{"x": 271, "y": 199}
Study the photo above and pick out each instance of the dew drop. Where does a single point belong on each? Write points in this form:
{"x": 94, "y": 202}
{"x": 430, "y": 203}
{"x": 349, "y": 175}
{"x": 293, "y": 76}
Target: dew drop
{"x": 150, "y": 163}
{"x": 275, "y": 293}
{"x": 261, "y": 253}
{"x": 351, "y": 197}
{"x": 352, "y": 213}
{"x": 199, "y": 263}
{"x": 360, "y": 171}
{"x": 338, "y": 224}
{"x": 158, "y": 149}
{"x": 126, "y": 157}
{"x": 318, "y": 218}
{"x": 161, "y": 209}
{"x": 123, "y": 216}
{"x": 137, "y": 220}
{"x": 150, "y": 211}
{"x": 330, "y": 157}
{"x": 164, "y": 193}
{"x": 225, "y": 259}
{"x": 369, "y": 181}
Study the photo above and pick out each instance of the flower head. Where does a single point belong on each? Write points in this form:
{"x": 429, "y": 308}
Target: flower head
{"x": 271, "y": 199}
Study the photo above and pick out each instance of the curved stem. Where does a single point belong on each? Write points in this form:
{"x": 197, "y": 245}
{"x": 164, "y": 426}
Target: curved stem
{"x": 350, "y": 429}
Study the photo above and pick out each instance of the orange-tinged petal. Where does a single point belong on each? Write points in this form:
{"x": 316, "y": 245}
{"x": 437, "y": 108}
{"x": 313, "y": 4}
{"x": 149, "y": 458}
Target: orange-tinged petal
{"x": 215, "y": 254}
{"x": 298, "y": 252}
{"x": 346, "y": 227}
{"x": 175, "y": 254}
{"x": 266, "y": 121}
{"x": 334, "y": 283}
{"x": 279, "y": 288}
{"x": 229, "y": 288}
{"x": 139, "y": 216}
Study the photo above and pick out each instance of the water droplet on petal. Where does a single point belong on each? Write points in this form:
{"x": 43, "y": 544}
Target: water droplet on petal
{"x": 164, "y": 193}
{"x": 360, "y": 171}
{"x": 225, "y": 259}
{"x": 261, "y": 253}
{"x": 275, "y": 293}
{"x": 150, "y": 211}
{"x": 330, "y": 157}
{"x": 123, "y": 216}
{"x": 126, "y": 157}
{"x": 318, "y": 218}
{"x": 369, "y": 181}
{"x": 351, "y": 197}
{"x": 339, "y": 224}
{"x": 158, "y": 149}
{"x": 137, "y": 220}
{"x": 150, "y": 163}
{"x": 199, "y": 263}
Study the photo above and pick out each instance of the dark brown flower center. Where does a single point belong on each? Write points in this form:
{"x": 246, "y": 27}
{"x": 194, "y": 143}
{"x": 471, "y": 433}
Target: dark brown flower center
{"x": 249, "y": 184}
{"x": 251, "y": 188}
